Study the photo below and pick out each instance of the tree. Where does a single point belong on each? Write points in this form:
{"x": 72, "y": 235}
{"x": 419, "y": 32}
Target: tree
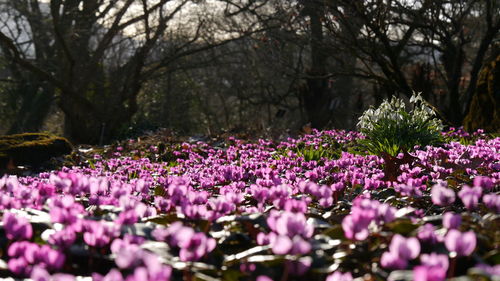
{"x": 102, "y": 54}
{"x": 395, "y": 35}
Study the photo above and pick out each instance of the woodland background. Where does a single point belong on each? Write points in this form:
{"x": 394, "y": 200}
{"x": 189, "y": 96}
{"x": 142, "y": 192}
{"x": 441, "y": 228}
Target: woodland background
{"x": 99, "y": 70}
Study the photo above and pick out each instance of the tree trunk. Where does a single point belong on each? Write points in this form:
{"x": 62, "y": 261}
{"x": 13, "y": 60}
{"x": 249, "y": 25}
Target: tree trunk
{"x": 95, "y": 121}
{"x": 316, "y": 96}
{"x": 36, "y": 101}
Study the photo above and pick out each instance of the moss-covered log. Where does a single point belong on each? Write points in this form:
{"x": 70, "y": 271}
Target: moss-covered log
{"x": 31, "y": 149}
{"x": 484, "y": 111}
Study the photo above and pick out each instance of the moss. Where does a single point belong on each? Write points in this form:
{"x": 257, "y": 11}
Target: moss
{"x": 484, "y": 112}
{"x": 31, "y": 149}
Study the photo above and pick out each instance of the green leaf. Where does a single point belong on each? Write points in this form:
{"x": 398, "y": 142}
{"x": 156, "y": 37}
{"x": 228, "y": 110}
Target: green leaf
{"x": 402, "y": 226}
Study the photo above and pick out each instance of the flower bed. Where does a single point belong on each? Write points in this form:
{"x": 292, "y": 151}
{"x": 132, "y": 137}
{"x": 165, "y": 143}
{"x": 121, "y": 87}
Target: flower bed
{"x": 316, "y": 207}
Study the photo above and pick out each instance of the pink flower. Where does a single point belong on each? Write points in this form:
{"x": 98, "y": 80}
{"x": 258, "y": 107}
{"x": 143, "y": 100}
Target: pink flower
{"x": 339, "y": 276}
{"x": 400, "y": 252}
{"x": 113, "y": 275}
{"x": 463, "y": 244}
{"x": 393, "y": 261}
{"x": 406, "y": 248}
{"x": 492, "y": 201}
{"x": 282, "y": 245}
{"x": 426, "y": 233}
{"x": 16, "y": 228}
{"x": 196, "y": 247}
{"x": 470, "y": 196}
{"x": 290, "y": 224}
{"x": 434, "y": 259}
{"x": 442, "y": 196}
{"x": 483, "y": 182}
{"x": 451, "y": 220}
{"x": 428, "y": 273}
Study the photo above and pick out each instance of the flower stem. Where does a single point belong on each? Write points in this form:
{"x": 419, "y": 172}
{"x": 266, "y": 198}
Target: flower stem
{"x": 453, "y": 265}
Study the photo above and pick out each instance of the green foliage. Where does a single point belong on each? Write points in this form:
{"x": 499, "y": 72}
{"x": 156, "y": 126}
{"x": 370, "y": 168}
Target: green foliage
{"x": 311, "y": 153}
{"x": 391, "y": 129}
{"x": 327, "y": 148}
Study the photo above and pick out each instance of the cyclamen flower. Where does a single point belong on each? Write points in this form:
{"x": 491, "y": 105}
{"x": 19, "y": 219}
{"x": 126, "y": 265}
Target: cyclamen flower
{"x": 339, "y": 276}
{"x": 363, "y": 212}
{"x": 40, "y": 274}
{"x": 113, "y": 275}
{"x": 407, "y": 248}
{"x": 451, "y": 220}
{"x": 400, "y": 251}
{"x": 393, "y": 261}
{"x": 428, "y": 273}
{"x": 435, "y": 260}
{"x": 97, "y": 234}
{"x": 174, "y": 235}
{"x": 463, "y": 244}
{"x": 492, "y": 201}
{"x": 427, "y": 233}
{"x": 17, "y": 228}
{"x": 470, "y": 196}
{"x": 491, "y": 270}
{"x": 196, "y": 247}
{"x": 355, "y": 225}
{"x": 282, "y": 245}
{"x": 483, "y": 182}
{"x": 23, "y": 255}
{"x": 290, "y": 231}
{"x": 442, "y": 196}
{"x": 290, "y": 224}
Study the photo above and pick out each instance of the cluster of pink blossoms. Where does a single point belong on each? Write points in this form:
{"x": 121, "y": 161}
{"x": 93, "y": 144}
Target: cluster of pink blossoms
{"x": 267, "y": 210}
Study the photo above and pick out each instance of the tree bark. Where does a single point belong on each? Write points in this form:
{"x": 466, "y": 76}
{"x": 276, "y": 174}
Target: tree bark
{"x": 316, "y": 96}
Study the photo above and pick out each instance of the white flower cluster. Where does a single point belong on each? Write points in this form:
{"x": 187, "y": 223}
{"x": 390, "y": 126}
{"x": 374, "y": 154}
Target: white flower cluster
{"x": 394, "y": 110}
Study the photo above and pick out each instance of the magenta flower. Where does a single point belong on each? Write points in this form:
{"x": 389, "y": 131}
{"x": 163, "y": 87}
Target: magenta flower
{"x": 97, "y": 234}
{"x": 24, "y": 255}
{"x": 441, "y": 195}
{"x": 492, "y": 201}
{"x": 433, "y": 260}
{"x": 363, "y": 212}
{"x": 290, "y": 224}
{"x": 463, "y": 244}
{"x": 451, "y": 220}
{"x": 113, "y": 275}
{"x": 196, "y": 247}
{"x": 406, "y": 248}
{"x": 174, "y": 235}
{"x": 427, "y": 233}
{"x": 483, "y": 182}
{"x": 52, "y": 259}
{"x": 339, "y": 276}
{"x": 63, "y": 238}
{"x": 401, "y": 250}
{"x": 19, "y": 266}
{"x": 128, "y": 256}
{"x": 393, "y": 261}
{"x": 16, "y": 228}
{"x": 282, "y": 245}
{"x": 491, "y": 270}
{"x": 470, "y": 196}
{"x": 428, "y": 273}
